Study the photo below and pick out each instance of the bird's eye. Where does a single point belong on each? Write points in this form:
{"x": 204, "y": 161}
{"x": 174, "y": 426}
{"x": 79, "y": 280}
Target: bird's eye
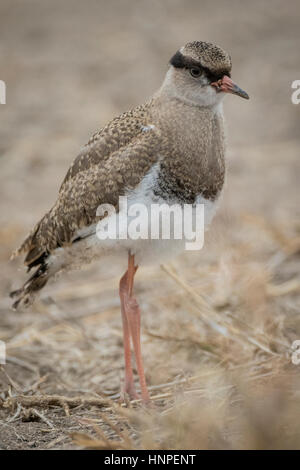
{"x": 195, "y": 72}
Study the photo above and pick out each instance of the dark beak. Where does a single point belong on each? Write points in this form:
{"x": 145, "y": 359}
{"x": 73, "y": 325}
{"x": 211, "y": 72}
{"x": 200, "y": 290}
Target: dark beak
{"x": 226, "y": 85}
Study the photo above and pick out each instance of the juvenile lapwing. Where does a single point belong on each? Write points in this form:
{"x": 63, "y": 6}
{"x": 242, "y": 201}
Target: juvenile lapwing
{"x": 169, "y": 150}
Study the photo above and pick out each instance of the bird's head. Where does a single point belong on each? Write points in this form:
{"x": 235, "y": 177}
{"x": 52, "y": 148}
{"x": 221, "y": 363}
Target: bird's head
{"x": 200, "y": 73}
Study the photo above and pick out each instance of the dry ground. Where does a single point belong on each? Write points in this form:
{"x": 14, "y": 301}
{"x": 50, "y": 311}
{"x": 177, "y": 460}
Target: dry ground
{"x": 217, "y": 325}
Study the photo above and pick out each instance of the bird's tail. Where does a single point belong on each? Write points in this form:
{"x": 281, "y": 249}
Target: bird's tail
{"x": 25, "y": 296}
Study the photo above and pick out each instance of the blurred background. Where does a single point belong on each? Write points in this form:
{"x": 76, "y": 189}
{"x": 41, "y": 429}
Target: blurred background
{"x": 71, "y": 66}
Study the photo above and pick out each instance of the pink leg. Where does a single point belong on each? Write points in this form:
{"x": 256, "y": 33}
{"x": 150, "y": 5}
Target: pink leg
{"x": 129, "y": 386}
{"x": 134, "y": 321}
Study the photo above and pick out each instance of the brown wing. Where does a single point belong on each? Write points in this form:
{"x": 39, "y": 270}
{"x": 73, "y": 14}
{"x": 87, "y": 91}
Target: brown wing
{"x": 115, "y": 135}
{"x": 90, "y": 182}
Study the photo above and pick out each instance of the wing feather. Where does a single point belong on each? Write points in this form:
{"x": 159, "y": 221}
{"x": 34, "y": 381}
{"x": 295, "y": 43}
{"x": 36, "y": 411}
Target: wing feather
{"x": 105, "y": 170}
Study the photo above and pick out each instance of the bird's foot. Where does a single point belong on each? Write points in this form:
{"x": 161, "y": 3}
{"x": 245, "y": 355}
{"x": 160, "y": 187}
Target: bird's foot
{"x": 128, "y": 391}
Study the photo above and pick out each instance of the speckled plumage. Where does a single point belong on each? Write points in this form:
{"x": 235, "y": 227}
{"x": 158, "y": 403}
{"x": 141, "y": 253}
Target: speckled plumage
{"x": 213, "y": 57}
{"x": 116, "y": 158}
{"x": 186, "y": 141}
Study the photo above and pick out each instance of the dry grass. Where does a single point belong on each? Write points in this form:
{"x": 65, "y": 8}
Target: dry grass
{"x": 217, "y": 346}
{"x": 217, "y": 325}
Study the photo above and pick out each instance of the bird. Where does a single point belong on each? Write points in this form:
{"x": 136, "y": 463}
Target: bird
{"x": 169, "y": 150}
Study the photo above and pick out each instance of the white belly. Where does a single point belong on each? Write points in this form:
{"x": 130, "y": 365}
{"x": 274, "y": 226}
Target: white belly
{"x": 147, "y": 251}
